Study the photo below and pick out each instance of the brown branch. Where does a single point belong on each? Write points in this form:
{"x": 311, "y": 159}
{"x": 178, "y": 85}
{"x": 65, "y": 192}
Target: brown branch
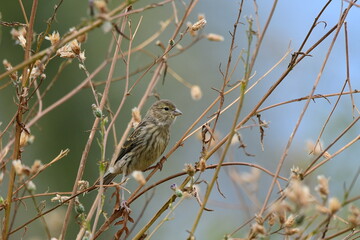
{"x": 317, "y": 80}
{"x": 18, "y": 125}
{"x": 89, "y": 143}
{"x": 49, "y": 211}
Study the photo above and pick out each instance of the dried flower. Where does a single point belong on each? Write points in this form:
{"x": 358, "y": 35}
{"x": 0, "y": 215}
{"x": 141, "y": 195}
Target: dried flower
{"x": 54, "y": 38}
{"x": 317, "y": 149}
{"x": 298, "y": 193}
{"x": 202, "y": 165}
{"x": 196, "y": 93}
{"x": 198, "y": 25}
{"x": 82, "y": 56}
{"x": 8, "y": 67}
{"x": 160, "y": 44}
{"x": 19, "y": 35}
{"x": 259, "y": 219}
{"x": 82, "y": 185}
{"x": 24, "y": 136}
{"x": 75, "y": 47}
{"x": 101, "y": 6}
{"x": 201, "y": 16}
{"x": 291, "y": 231}
{"x": 136, "y": 117}
{"x": 322, "y": 209}
{"x": 65, "y": 52}
{"x": 354, "y": 216}
{"x": 194, "y": 190}
{"x": 17, "y": 166}
{"x": 37, "y": 165}
{"x": 282, "y": 217}
{"x": 323, "y": 186}
{"x": 272, "y": 219}
{"x": 107, "y": 26}
{"x": 215, "y": 37}
{"x": 280, "y": 209}
{"x": 37, "y": 70}
{"x": 334, "y": 205}
{"x": 59, "y": 198}
{"x": 190, "y": 169}
{"x": 71, "y": 50}
{"x": 82, "y": 38}
{"x": 296, "y": 173}
{"x": 257, "y": 229}
{"x": 235, "y": 139}
{"x": 290, "y": 221}
{"x": 192, "y": 33}
{"x": 31, "y": 186}
{"x": 22, "y": 41}
{"x": 179, "y": 46}
{"x": 16, "y": 33}
{"x": 139, "y": 177}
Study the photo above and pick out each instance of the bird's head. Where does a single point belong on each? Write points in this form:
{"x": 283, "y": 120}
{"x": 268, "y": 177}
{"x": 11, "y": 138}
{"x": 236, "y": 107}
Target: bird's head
{"x": 163, "y": 112}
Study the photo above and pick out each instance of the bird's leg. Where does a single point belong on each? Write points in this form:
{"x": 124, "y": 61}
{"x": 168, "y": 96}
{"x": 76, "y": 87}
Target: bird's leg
{"x": 123, "y": 203}
{"x": 161, "y": 162}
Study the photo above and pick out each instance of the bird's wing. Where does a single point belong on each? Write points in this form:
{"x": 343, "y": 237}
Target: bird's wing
{"x": 131, "y": 142}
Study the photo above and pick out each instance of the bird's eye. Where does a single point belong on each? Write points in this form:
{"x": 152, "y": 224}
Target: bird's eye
{"x": 166, "y": 108}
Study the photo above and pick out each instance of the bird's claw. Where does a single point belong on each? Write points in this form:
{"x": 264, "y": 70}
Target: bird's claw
{"x": 125, "y": 206}
{"x": 159, "y": 165}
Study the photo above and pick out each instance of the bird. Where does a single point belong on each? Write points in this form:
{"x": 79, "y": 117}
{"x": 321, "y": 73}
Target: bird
{"x": 146, "y": 143}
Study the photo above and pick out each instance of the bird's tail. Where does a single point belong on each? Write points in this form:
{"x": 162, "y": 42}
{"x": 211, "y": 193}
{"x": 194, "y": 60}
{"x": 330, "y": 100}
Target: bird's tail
{"x": 108, "y": 177}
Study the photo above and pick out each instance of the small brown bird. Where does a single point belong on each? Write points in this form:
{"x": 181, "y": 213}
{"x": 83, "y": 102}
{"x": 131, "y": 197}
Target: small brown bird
{"x": 146, "y": 143}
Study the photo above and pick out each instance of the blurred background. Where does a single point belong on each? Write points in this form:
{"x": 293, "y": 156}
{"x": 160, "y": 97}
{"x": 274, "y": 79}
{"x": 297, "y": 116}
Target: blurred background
{"x": 68, "y": 125}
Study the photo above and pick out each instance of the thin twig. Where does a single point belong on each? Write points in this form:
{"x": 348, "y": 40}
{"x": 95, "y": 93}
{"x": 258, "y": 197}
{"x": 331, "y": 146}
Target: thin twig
{"x": 317, "y": 80}
{"x": 19, "y": 118}
{"x": 88, "y": 144}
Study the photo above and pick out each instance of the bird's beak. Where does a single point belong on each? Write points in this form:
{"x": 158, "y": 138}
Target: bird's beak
{"x": 177, "y": 112}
